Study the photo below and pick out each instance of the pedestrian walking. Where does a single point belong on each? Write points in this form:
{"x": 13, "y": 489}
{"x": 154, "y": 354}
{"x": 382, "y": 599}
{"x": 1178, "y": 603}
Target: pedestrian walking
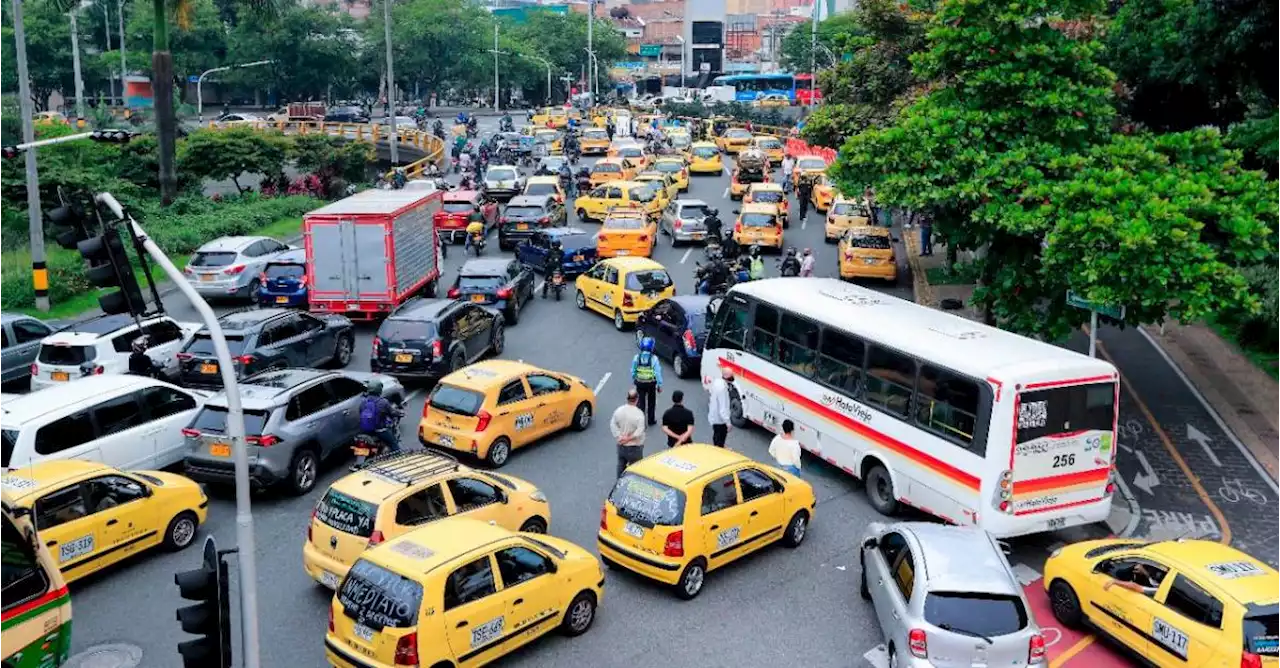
{"x": 628, "y": 426}
{"x": 646, "y": 373}
{"x": 870, "y": 195}
{"x": 926, "y": 236}
{"x": 785, "y": 449}
{"x": 677, "y": 421}
{"x": 806, "y": 263}
{"x": 718, "y": 413}
{"x": 788, "y": 166}
{"x": 804, "y": 192}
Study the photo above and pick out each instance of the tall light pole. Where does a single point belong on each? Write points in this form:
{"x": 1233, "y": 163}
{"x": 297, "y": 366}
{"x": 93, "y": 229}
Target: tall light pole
{"x": 200, "y": 84}
{"x": 39, "y": 272}
{"x": 106, "y": 21}
{"x": 124, "y": 65}
{"x": 495, "y": 66}
{"x": 682, "y": 73}
{"x": 593, "y": 66}
{"x": 813, "y": 57}
{"x": 591, "y": 19}
{"x": 394, "y": 130}
{"x": 75, "y": 60}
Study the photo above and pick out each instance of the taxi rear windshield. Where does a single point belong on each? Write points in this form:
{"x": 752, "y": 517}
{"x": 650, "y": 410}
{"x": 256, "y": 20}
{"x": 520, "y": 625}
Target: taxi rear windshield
{"x": 621, "y": 223}
{"x": 847, "y": 209}
{"x": 978, "y": 615}
{"x": 647, "y": 502}
{"x": 643, "y": 194}
{"x": 759, "y": 220}
{"x": 501, "y": 175}
{"x": 608, "y": 167}
{"x": 347, "y": 513}
{"x": 654, "y": 280}
{"x": 535, "y": 189}
{"x": 768, "y": 196}
{"x": 668, "y": 167}
{"x": 705, "y": 152}
{"x": 1261, "y": 632}
{"x": 379, "y": 598}
{"x": 869, "y": 241}
{"x": 454, "y": 399}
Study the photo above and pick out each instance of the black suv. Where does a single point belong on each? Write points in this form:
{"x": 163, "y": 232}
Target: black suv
{"x": 502, "y": 284}
{"x": 269, "y": 338}
{"x": 430, "y": 338}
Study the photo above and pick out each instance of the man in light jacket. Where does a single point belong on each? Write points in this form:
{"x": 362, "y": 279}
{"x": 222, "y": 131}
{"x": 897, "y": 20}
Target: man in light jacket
{"x": 718, "y": 414}
{"x": 627, "y": 425}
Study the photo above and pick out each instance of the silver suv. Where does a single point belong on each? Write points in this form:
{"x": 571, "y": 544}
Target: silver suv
{"x": 294, "y": 419}
{"x": 232, "y": 266}
{"x": 945, "y": 596}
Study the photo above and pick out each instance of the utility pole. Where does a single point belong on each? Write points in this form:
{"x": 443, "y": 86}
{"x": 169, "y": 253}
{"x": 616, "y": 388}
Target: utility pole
{"x": 39, "y": 272}
{"x": 591, "y": 19}
{"x": 392, "y": 128}
{"x": 106, "y": 21}
{"x": 813, "y": 57}
{"x": 124, "y": 66}
{"x": 200, "y": 84}
{"x": 75, "y": 61}
{"x": 495, "y": 66}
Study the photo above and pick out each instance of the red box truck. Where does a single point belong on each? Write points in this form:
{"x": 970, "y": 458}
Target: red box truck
{"x": 372, "y": 251}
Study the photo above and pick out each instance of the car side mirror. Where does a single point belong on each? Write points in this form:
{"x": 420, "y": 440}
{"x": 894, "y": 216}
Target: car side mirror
{"x": 503, "y": 497}
{"x": 870, "y": 544}
{"x": 737, "y": 211}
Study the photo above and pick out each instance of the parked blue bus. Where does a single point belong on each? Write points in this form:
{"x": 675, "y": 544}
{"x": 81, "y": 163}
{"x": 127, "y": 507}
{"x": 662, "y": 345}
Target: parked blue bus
{"x": 747, "y": 87}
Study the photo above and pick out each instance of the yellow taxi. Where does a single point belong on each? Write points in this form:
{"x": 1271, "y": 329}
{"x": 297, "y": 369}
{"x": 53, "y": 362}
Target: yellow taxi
{"x": 489, "y": 408}
{"x": 93, "y": 516}
{"x": 769, "y": 193}
{"x": 544, "y": 185}
{"x": 459, "y": 593}
{"x": 541, "y": 117}
{"x": 676, "y": 169}
{"x": 594, "y": 141}
{"x": 772, "y": 147}
{"x": 396, "y": 493}
{"x": 824, "y": 194}
{"x": 1174, "y": 603}
{"x": 666, "y": 184}
{"x": 759, "y": 224}
{"x": 633, "y": 153}
{"x": 808, "y": 165}
{"x": 597, "y": 203}
{"x": 678, "y": 514}
{"x": 550, "y": 138}
{"x": 627, "y": 232}
{"x": 772, "y": 101}
{"x": 681, "y": 142}
{"x": 623, "y": 288}
{"x": 733, "y": 140}
{"x": 705, "y": 158}
{"x": 866, "y": 251}
{"x": 556, "y": 117}
{"x": 844, "y": 214}
{"x": 611, "y": 169}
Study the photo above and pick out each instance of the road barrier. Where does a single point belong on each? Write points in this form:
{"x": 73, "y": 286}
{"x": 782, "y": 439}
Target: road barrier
{"x": 431, "y": 146}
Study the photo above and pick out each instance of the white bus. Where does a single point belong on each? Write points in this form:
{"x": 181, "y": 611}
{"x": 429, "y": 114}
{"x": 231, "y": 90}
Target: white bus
{"x": 968, "y": 423}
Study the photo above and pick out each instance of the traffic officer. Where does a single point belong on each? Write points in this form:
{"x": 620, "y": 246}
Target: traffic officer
{"x": 804, "y": 191}
{"x": 646, "y": 373}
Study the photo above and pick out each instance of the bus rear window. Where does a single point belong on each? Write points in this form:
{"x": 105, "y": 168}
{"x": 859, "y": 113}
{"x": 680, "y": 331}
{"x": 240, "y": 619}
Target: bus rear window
{"x": 347, "y": 513}
{"x": 379, "y": 598}
{"x": 647, "y": 502}
{"x": 1261, "y": 632}
{"x": 1065, "y": 410}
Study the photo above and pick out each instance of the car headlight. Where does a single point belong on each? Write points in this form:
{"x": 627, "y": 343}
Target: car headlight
{"x": 1055, "y": 553}
{"x": 538, "y": 496}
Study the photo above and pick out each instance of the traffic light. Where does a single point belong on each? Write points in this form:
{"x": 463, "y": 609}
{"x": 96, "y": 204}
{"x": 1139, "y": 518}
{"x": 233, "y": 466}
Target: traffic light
{"x": 10, "y": 152}
{"x": 113, "y": 136}
{"x": 109, "y": 266}
{"x": 210, "y": 618}
{"x": 69, "y": 223}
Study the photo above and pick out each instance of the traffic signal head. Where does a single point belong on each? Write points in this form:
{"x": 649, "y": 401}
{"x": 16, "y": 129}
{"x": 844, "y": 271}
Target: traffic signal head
{"x": 113, "y": 136}
{"x": 10, "y": 152}
{"x": 209, "y": 618}
{"x": 109, "y": 266}
{"x": 70, "y": 226}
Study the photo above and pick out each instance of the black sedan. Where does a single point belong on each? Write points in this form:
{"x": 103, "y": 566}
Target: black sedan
{"x": 346, "y": 115}
{"x": 431, "y": 338}
{"x": 502, "y": 284}
{"x": 678, "y": 326}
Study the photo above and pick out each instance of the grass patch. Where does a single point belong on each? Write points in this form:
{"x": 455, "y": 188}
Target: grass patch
{"x": 961, "y": 274}
{"x": 1264, "y": 359}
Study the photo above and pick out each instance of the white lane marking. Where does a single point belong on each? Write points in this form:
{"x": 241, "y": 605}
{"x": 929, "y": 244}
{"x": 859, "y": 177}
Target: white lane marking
{"x": 878, "y": 656}
{"x": 1025, "y": 574}
{"x": 412, "y": 395}
{"x": 1248, "y": 454}
{"x": 1204, "y": 441}
{"x": 538, "y": 287}
{"x": 686, "y": 255}
{"x": 726, "y": 193}
{"x": 603, "y": 379}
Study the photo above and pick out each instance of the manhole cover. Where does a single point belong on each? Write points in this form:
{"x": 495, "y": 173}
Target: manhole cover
{"x": 112, "y": 655}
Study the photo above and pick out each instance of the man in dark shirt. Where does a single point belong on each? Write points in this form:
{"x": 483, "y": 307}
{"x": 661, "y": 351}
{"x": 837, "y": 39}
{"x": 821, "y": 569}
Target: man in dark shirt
{"x": 677, "y": 421}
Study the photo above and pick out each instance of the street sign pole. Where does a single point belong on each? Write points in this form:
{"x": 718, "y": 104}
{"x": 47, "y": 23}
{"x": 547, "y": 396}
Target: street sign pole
{"x": 1113, "y": 312}
{"x": 1093, "y": 333}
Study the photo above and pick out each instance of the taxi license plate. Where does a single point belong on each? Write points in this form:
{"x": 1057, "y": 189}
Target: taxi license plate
{"x": 445, "y": 440}
{"x": 577, "y": 258}
{"x": 360, "y": 452}
{"x": 206, "y": 277}
{"x": 404, "y": 358}
{"x": 1056, "y": 523}
{"x": 633, "y": 529}
{"x": 60, "y": 376}
{"x": 363, "y": 632}
{"x": 329, "y": 579}
{"x": 208, "y": 368}
{"x": 623, "y": 252}
{"x": 522, "y": 226}
{"x": 282, "y": 300}
{"x": 220, "y": 449}
{"x": 477, "y": 298}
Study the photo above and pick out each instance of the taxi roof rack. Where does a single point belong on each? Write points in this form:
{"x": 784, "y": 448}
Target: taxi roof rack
{"x": 410, "y": 466}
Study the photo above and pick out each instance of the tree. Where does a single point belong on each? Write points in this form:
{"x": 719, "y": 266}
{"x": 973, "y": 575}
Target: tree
{"x": 231, "y": 153}
{"x": 309, "y": 48}
{"x": 1010, "y": 150}
{"x": 561, "y": 39}
{"x": 48, "y": 33}
{"x": 333, "y": 160}
{"x": 435, "y": 43}
{"x": 197, "y": 45}
{"x": 836, "y": 34}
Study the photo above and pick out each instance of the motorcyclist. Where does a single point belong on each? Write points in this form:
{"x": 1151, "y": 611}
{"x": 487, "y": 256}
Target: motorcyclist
{"x": 506, "y": 124}
{"x": 465, "y": 163}
{"x": 141, "y": 364}
{"x": 714, "y": 225}
{"x": 461, "y": 118}
{"x": 757, "y": 262}
{"x": 552, "y": 263}
{"x": 398, "y": 179}
{"x": 790, "y": 265}
{"x": 378, "y": 416}
{"x": 437, "y": 129}
{"x": 583, "y": 179}
{"x": 432, "y": 171}
{"x": 566, "y": 180}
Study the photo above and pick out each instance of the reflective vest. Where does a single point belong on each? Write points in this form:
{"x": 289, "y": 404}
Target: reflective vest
{"x": 644, "y": 369}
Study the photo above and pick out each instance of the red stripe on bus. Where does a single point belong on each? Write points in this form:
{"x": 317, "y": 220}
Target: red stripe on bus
{"x": 1069, "y": 381}
{"x": 1064, "y": 480}
{"x": 921, "y": 458}
{"x": 1060, "y": 506}
{"x": 33, "y": 604}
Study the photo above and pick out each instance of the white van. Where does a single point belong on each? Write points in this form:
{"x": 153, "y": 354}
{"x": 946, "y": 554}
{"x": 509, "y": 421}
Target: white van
{"x": 129, "y": 422}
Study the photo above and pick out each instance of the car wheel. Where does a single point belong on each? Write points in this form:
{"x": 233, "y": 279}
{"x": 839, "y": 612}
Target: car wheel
{"x": 863, "y": 590}
{"x": 619, "y": 323}
{"x": 499, "y": 339}
{"x": 582, "y": 416}
{"x": 1065, "y": 605}
{"x": 512, "y": 313}
{"x": 457, "y": 362}
{"x": 534, "y": 525}
{"x": 303, "y": 472}
{"x": 680, "y": 365}
{"x": 797, "y": 528}
{"x": 342, "y": 351}
{"x": 736, "y": 417}
{"x": 581, "y": 300}
{"x": 429, "y": 290}
{"x": 181, "y": 531}
{"x": 691, "y": 580}
{"x": 498, "y": 453}
{"x": 582, "y": 215}
{"x": 251, "y": 290}
{"x": 880, "y": 491}
{"x": 580, "y": 615}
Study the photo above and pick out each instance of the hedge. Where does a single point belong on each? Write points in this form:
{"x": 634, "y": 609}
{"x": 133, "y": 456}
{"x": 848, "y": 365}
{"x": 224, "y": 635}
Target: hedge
{"x": 178, "y": 229}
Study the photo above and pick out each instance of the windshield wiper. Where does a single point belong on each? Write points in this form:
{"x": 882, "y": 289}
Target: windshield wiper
{"x": 948, "y": 627}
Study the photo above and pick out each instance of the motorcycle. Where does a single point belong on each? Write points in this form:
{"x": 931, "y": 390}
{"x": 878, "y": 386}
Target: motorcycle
{"x": 477, "y": 243}
{"x": 556, "y": 282}
{"x": 364, "y": 446}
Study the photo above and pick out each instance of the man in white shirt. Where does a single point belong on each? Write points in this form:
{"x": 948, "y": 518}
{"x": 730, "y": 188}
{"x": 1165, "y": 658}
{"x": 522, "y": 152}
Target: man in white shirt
{"x": 785, "y": 449}
{"x": 806, "y": 263}
{"x": 718, "y": 414}
{"x": 627, "y": 425}
{"x": 788, "y": 165}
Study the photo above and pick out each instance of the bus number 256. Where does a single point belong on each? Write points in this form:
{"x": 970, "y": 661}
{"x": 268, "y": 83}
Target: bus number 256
{"x": 1063, "y": 461}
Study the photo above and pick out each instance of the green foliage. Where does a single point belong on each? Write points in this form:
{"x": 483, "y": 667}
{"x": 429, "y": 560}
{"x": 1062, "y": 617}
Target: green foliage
{"x": 835, "y": 34}
{"x": 48, "y": 33}
{"x": 311, "y": 49}
{"x": 734, "y": 110}
{"x": 335, "y": 161}
{"x": 435, "y": 42}
{"x": 227, "y": 154}
{"x": 559, "y": 39}
{"x": 1258, "y": 139}
{"x": 199, "y": 44}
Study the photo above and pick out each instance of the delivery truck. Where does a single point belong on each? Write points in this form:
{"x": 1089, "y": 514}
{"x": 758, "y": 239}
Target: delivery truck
{"x": 371, "y": 252}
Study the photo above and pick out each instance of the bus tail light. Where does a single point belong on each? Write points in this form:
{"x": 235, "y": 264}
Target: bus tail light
{"x": 918, "y": 643}
{"x": 674, "y": 547}
{"x": 1035, "y": 652}
{"x": 1004, "y": 492}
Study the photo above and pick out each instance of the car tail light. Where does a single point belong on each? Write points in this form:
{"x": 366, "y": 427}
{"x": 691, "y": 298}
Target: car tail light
{"x": 234, "y": 269}
{"x": 1250, "y": 660}
{"x": 604, "y": 518}
{"x": 331, "y": 619}
{"x": 678, "y": 224}
{"x": 627, "y": 300}
{"x": 407, "y": 649}
{"x": 184, "y": 356}
{"x": 504, "y": 219}
{"x": 918, "y": 643}
{"x": 482, "y": 420}
{"x": 266, "y": 440}
{"x": 453, "y": 292}
{"x": 437, "y": 349}
{"x": 191, "y": 433}
{"x": 1035, "y": 653}
{"x": 690, "y": 343}
{"x": 674, "y": 547}
{"x": 377, "y": 343}
{"x": 644, "y": 238}
{"x": 376, "y": 538}
{"x": 504, "y": 293}
{"x": 95, "y": 370}
{"x": 35, "y": 369}
{"x": 245, "y": 359}
{"x": 848, "y": 255}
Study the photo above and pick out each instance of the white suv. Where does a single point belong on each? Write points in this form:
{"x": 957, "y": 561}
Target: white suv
{"x": 101, "y": 346}
{"x": 232, "y": 266}
{"x": 129, "y": 422}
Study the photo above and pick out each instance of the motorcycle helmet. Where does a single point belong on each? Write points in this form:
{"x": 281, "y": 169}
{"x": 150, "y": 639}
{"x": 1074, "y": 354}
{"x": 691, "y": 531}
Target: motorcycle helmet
{"x": 555, "y": 244}
{"x": 373, "y": 387}
{"x": 791, "y": 253}
{"x": 755, "y": 249}
{"x": 646, "y": 344}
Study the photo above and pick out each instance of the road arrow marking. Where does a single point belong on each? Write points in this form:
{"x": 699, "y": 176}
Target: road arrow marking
{"x": 685, "y": 256}
{"x": 1204, "y": 441}
{"x": 1147, "y": 478}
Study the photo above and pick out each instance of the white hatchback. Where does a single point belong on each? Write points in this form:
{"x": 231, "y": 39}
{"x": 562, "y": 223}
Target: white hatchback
{"x": 102, "y": 346}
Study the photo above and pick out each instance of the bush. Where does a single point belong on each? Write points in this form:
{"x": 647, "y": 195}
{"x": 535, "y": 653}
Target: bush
{"x": 1258, "y": 330}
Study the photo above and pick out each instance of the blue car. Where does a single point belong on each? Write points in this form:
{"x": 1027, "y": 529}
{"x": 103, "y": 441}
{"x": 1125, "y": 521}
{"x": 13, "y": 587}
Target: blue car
{"x": 579, "y": 249}
{"x": 284, "y": 280}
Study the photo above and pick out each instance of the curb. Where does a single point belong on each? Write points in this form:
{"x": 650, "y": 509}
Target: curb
{"x": 921, "y": 290}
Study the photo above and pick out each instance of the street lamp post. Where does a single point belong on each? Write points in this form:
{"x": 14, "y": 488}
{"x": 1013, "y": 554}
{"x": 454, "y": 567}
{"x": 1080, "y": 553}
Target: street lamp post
{"x": 591, "y": 18}
{"x": 120, "y": 34}
{"x": 75, "y": 61}
{"x": 594, "y": 67}
{"x": 39, "y": 272}
{"x": 682, "y": 71}
{"x": 546, "y": 64}
{"x": 393, "y": 129}
{"x": 200, "y": 84}
{"x": 813, "y": 56}
{"x": 496, "y": 53}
